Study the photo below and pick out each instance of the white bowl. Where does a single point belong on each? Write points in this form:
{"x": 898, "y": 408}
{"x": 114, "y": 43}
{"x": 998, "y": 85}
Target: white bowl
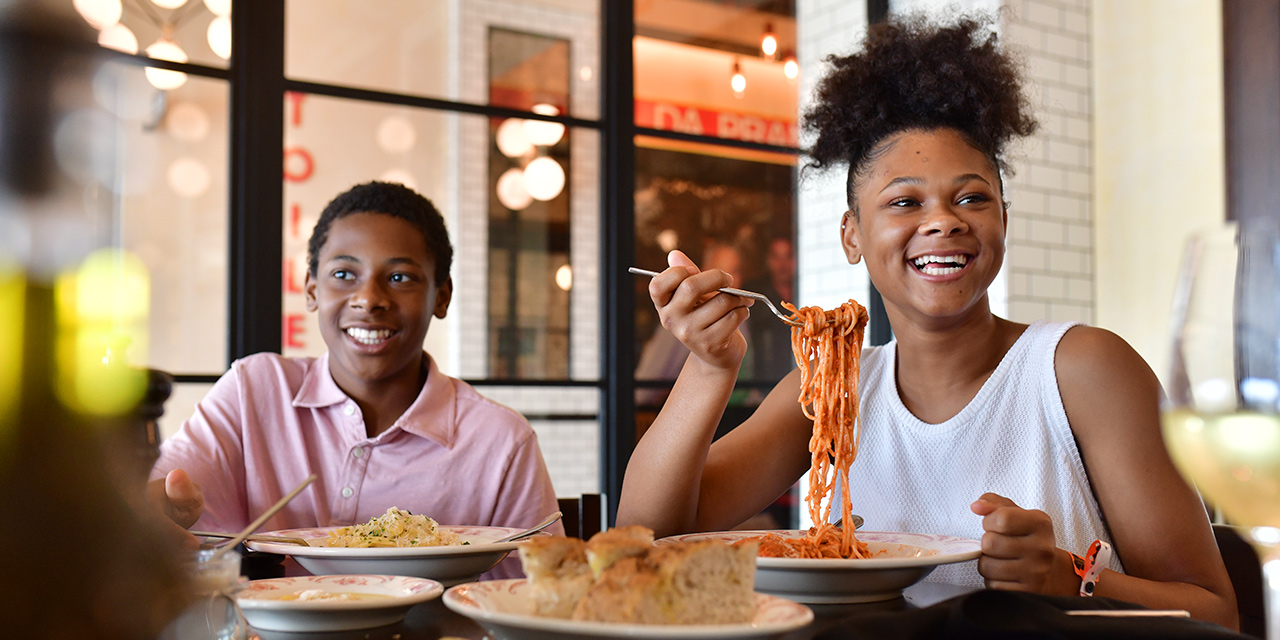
{"x": 898, "y": 561}
{"x": 450, "y": 565}
{"x": 504, "y": 608}
{"x": 271, "y": 605}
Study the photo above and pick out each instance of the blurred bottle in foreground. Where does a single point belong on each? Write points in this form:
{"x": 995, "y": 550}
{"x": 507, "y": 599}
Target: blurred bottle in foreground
{"x": 80, "y": 559}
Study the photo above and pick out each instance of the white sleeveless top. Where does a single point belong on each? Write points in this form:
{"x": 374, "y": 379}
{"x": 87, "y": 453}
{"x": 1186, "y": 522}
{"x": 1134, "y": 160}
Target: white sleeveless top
{"x": 1012, "y": 439}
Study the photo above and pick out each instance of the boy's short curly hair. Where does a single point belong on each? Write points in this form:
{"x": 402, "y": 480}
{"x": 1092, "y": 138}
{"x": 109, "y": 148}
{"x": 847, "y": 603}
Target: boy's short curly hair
{"x": 392, "y": 199}
{"x": 916, "y": 75}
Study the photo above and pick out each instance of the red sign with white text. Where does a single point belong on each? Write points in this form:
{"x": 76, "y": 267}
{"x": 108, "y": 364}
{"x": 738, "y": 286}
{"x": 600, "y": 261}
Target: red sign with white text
{"x": 717, "y": 124}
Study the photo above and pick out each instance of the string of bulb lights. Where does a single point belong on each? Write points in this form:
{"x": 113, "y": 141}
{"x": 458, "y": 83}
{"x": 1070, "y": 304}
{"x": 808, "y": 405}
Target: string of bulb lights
{"x": 165, "y": 15}
{"x": 768, "y": 51}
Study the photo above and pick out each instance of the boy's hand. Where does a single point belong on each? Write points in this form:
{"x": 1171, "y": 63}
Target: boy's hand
{"x": 180, "y": 500}
{"x": 1018, "y": 549}
{"x": 705, "y": 320}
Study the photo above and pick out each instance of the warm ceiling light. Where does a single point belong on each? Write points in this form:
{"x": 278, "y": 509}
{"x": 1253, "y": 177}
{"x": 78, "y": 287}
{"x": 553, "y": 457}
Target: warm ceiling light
{"x": 100, "y": 14}
{"x": 512, "y": 140}
{"x": 544, "y": 178}
{"x": 790, "y": 66}
{"x": 118, "y": 37}
{"x": 168, "y": 4}
{"x": 769, "y": 42}
{"x": 219, "y": 7}
{"x": 541, "y": 132}
{"x": 165, "y": 79}
{"x": 219, "y": 36}
{"x": 738, "y": 82}
{"x": 511, "y": 190}
{"x": 564, "y": 277}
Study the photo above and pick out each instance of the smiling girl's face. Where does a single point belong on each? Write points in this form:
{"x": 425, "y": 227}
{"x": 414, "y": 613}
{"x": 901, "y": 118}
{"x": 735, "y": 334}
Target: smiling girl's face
{"x": 931, "y": 225}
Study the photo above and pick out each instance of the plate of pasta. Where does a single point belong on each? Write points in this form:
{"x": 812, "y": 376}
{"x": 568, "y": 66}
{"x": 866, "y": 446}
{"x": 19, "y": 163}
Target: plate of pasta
{"x": 396, "y": 543}
{"x": 894, "y": 562}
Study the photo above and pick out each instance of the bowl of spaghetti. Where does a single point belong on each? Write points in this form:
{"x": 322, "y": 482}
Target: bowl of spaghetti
{"x": 396, "y": 543}
{"x": 893, "y": 562}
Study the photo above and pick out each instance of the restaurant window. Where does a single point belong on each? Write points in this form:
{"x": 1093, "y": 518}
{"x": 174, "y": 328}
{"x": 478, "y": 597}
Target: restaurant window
{"x": 716, "y": 95}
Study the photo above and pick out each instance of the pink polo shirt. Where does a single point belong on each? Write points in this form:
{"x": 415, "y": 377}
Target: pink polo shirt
{"x": 270, "y": 421}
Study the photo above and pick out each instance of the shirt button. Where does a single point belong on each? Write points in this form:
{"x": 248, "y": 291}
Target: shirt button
{"x": 349, "y": 410}
{"x": 347, "y": 492}
{"x": 358, "y": 452}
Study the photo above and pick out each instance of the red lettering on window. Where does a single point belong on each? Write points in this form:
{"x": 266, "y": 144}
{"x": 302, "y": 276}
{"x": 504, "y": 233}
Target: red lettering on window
{"x": 295, "y": 106}
{"x": 295, "y": 213}
{"x": 291, "y": 277}
{"x": 298, "y": 165}
{"x": 293, "y": 330}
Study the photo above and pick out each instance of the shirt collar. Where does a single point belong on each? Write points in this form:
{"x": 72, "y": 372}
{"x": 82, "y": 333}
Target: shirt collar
{"x": 432, "y": 415}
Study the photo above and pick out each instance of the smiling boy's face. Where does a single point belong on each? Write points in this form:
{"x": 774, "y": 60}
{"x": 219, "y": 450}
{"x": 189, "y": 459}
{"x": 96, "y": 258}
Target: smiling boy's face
{"x": 375, "y": 293}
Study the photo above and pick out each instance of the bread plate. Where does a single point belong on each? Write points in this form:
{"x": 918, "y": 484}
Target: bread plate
{"x": 505, "y": 609}
{"x": 898, "y": 561}
{"x": 449, "y": 565}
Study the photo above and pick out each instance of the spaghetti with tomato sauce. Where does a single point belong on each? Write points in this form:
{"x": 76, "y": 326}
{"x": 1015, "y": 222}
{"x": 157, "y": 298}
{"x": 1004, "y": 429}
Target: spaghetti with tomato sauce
{"x": 828, "y": 350}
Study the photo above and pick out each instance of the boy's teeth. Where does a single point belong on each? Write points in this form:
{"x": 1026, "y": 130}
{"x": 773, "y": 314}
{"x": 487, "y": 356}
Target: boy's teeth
{"x": 365, "y": 336}
{"x": 940, "y": 265}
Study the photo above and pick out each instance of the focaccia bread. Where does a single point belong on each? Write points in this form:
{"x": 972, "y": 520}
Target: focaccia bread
{"x": 558, "y": 574}
{"x": 629, "y": 580}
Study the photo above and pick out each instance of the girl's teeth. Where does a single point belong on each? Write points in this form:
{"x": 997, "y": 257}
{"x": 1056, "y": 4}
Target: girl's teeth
{"x": 938, "y": 271}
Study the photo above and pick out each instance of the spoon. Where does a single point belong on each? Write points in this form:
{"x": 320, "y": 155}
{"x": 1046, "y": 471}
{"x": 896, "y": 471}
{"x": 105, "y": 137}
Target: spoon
{"x": 857, "y": 521}
{"x": 255, "y": 537}
{"x": 546, "y": 522}
{"x": 253, "y": 526}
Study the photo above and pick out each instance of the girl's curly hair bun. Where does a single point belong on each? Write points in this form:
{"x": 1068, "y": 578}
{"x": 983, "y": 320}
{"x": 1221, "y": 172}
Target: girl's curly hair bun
{"x": 913, "y": 74}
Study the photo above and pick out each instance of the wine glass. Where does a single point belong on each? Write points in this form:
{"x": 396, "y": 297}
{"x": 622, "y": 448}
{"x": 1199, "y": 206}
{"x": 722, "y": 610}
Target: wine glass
{"x": 1221, "y": 418}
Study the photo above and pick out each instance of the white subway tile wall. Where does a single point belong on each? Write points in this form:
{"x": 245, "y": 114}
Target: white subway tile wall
{"x": 570, "y": 447}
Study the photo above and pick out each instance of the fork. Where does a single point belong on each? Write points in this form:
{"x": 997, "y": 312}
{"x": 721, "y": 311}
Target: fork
{"x": 735, "y": 292}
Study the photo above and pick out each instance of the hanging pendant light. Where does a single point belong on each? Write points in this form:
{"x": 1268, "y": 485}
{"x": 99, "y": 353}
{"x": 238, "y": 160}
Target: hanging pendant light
{"x": 769, "y": 42}
{"x": 790, "y": 66}
{"x": 100, "y": 14}
{"x": 544, "y": 178}
{"x": 120, "y": 38}
{"x": 738, "y": 82}
{"x": 219, "y": 37}
{"x": 166, "y": 79}
{"x": 541, "y": 132}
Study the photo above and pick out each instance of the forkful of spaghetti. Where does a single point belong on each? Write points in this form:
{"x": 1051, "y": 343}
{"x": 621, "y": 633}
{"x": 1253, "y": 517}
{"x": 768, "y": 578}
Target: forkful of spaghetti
{"x": 789, "y": 319}
{"x": 827, "y": 345}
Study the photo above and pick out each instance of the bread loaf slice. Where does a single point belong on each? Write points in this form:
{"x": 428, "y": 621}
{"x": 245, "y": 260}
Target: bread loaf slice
{"x": 607, "y": 547}
{"x": 703, "y": 582}
{"x": 558, "y": 574}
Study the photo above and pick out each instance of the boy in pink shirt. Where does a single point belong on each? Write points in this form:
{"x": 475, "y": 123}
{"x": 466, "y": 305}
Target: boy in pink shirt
{"x": 373, "y": 418}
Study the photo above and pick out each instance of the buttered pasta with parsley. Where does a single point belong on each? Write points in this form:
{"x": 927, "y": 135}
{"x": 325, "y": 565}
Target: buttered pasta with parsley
{"x": 395, "y": 528}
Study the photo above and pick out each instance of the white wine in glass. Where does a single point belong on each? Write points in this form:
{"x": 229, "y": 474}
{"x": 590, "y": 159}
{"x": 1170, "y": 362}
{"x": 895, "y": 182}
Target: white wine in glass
{"x": 1222, "y": 415}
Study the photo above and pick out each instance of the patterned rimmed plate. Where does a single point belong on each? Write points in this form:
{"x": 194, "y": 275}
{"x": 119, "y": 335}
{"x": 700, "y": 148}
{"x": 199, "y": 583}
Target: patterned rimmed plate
{"x": 505, "y": 609}
{"x": 450, "y": 565}
{"x": 332, "y": 603}
{"x": 898, "y": 561}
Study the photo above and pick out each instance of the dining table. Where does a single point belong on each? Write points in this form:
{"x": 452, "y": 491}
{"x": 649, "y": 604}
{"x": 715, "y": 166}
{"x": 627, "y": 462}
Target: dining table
{"x": 925, "y": 610}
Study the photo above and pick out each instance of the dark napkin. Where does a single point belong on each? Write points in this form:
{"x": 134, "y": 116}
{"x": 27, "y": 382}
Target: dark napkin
{"x": 994, "y": 615}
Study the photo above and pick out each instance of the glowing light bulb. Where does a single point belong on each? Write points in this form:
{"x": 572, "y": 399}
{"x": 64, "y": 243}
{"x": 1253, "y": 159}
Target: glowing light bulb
{"x": 511, "y": 190}
{"x": 512, "y": 139}
{"x": 219, "y": 36}
{"x": 790, "y": 67}
{"x": 544, "y": 134}
{"x": 118, "y": 37}
{"x": 564, "y": 277}
{"x": 219, "y": 7}
{"x": 165, "y": 79}
{"x": 100, "y": 14}
{"x": 738, "y": 82}
{"x": 769, "y": 42}
{"x": 544, "y": 178}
